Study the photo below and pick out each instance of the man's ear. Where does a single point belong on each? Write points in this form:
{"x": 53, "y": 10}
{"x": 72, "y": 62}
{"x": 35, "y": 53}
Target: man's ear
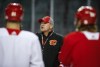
{"x": 79, "y": 22}
{"x": 51, "y": 26}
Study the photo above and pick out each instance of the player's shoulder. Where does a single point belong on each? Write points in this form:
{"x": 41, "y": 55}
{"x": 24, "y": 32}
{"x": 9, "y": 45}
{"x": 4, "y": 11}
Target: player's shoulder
{"x": 58, "y": 35}
{"x": 2, "y": 30}
{"x": 28, "y": 33}
{"x": 73, "y": 34}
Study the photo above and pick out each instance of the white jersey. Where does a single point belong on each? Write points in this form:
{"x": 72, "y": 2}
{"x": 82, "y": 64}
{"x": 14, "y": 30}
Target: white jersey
{"x": 21, "y": 50}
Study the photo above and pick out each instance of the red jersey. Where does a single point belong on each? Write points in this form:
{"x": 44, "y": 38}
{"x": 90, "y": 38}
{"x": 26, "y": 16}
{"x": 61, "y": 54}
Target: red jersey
{"x": 81, "y": 49}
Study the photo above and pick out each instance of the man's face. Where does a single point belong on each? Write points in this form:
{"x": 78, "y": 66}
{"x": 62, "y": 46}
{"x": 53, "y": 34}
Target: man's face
{"x": 44, "y": 27}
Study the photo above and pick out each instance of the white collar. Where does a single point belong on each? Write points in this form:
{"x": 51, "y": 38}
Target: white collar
{"x": 91, "y": 35}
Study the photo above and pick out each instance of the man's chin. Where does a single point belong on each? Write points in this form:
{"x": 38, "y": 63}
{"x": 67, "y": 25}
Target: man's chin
{"x": 43, "y": 30}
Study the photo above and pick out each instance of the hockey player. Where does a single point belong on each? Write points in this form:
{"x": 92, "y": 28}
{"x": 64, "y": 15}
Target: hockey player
{"x": 18, "y": 48}
{"x": 82, "y": 47}
{"x": 50, "y": 42}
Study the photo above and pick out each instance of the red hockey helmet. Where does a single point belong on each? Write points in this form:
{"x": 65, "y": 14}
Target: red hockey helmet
{"x": 14, "y": 12}
{"x": 86, "y": 14}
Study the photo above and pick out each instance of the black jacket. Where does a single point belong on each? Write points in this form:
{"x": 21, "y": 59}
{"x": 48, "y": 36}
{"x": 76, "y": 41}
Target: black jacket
{"x": 51, "y": 48}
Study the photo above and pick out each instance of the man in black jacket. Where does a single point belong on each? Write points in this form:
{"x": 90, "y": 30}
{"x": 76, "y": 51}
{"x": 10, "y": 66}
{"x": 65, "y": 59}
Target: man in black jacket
{"x": 50, "y": 42}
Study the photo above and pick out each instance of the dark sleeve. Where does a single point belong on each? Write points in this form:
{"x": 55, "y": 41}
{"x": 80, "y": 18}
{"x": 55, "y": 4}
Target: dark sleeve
{"x": 57, "y": 63}
{"x": 61, "y": 41}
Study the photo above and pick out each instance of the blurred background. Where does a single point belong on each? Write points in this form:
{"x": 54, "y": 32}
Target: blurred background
{"x": 62, "y": 12}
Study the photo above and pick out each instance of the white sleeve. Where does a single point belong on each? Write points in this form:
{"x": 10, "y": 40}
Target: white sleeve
{"x": 36, "y": 58}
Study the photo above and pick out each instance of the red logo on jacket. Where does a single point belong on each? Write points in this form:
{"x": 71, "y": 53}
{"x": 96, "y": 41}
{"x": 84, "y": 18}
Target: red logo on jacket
{"x": 53, "y": 42}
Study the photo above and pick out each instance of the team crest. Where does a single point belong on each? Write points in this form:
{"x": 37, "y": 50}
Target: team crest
{"x": 53, "y": 42}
